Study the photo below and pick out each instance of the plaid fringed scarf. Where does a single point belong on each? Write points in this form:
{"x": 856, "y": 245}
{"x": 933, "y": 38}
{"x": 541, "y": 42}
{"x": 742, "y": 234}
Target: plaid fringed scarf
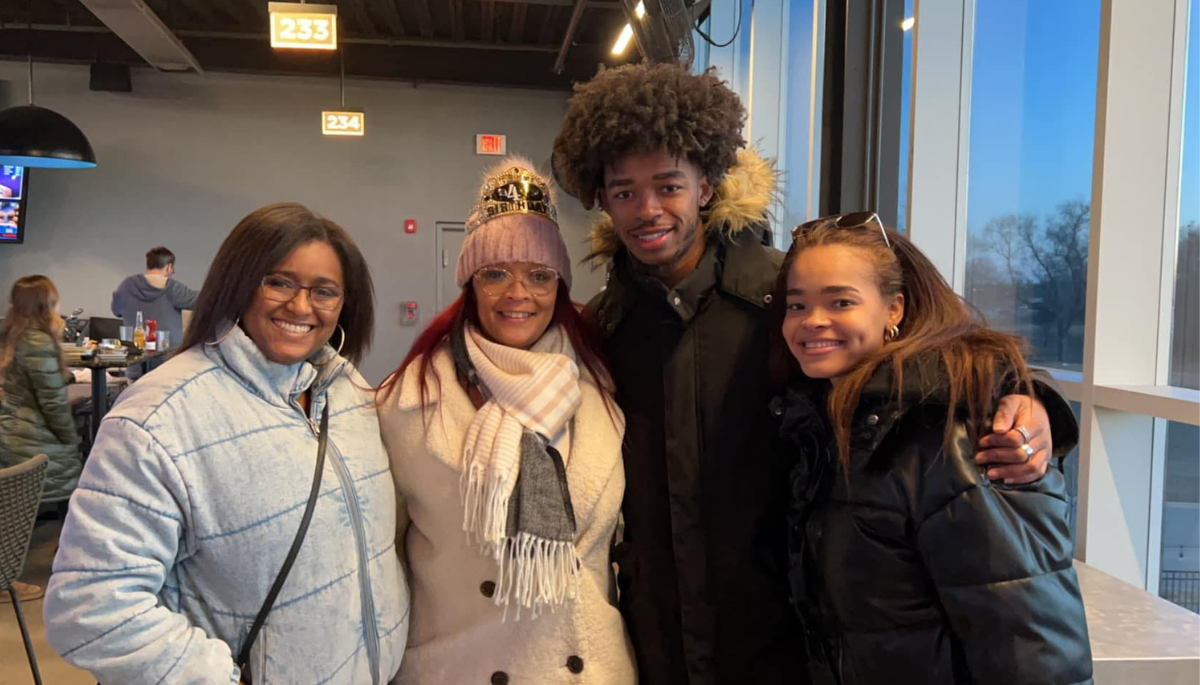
{"x": 516, "y": 504}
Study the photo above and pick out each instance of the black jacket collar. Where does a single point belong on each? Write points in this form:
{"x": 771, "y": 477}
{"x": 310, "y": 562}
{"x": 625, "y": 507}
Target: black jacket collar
{"x": 879, "y": 407}
{"x": 746, "y": 269}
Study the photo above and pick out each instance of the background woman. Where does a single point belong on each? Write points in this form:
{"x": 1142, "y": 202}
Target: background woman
{"x": 202, "y": 472}
{"x": 35, "y": 416}
{"x": 908, "y": 564}
{"x": 500, "y": 423}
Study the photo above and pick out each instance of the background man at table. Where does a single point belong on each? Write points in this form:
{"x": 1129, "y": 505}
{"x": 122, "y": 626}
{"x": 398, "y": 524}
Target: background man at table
{"x": 155, "y": 294}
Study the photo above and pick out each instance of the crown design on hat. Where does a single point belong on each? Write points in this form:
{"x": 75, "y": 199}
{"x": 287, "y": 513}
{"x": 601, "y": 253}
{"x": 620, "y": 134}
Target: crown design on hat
{"x": 514, "y": 190}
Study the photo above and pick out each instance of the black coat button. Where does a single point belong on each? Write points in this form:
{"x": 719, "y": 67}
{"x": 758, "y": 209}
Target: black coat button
{"x": 499, "y": 678}
{"x": 487, "y": 588}
{"x": 575, "y": 664}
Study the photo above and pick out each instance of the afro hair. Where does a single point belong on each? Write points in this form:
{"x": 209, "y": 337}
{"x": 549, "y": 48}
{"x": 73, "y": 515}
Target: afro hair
{"x": 647, "y": 108}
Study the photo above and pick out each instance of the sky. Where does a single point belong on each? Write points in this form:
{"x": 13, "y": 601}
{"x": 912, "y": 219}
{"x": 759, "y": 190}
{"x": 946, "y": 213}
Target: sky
{"x": 1033, "y": 108}
{"x": 1189, "y": 183}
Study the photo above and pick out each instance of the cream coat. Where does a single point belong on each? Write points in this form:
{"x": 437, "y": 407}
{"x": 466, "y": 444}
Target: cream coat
{"x": 457, "y": 635}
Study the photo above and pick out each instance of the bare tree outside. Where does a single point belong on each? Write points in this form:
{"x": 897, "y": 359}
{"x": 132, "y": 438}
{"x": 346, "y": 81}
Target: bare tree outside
{"x": 1028, "y": 274}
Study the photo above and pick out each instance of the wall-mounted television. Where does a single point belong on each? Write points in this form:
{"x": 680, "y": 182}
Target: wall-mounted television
{"x": 14, "y": 196}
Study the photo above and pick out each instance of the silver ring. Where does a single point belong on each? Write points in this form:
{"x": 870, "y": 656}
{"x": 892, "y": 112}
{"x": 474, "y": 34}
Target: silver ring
{"x": 1024, "y": 433}
{"x": 1028, "y": 450}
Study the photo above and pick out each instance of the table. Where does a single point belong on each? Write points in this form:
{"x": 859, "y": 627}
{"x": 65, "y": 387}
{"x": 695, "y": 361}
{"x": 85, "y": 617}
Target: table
{"x": 145, "y": 363}
{"x": 1137, "y": 638}
{"x": 100, "y": 387}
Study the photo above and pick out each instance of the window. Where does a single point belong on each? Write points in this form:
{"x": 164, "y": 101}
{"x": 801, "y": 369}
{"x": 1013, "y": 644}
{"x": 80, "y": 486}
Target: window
{"x": 1179, "y": 575}
{"x": 1001, "y": 200}
{"x": 1033, "y": 100}
{"x": 1070, "y": 469}
{"x": 1185, "y": 333}
{"x": 905, "y": 113}
{"x": 801, "y": 120}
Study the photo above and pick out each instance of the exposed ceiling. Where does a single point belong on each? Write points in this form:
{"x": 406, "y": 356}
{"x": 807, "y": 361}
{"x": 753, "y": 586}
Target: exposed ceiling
{"x": 497, "y": 42}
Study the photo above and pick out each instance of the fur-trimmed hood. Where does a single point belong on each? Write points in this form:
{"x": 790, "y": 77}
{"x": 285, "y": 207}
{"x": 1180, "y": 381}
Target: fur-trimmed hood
{"x": 742, "y": 200}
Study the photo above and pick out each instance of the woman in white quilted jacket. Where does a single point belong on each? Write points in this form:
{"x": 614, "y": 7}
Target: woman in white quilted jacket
{"x": 198, "y": 485}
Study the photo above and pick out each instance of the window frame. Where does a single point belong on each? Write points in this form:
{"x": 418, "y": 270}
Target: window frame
{"x": 1123, "y": 387}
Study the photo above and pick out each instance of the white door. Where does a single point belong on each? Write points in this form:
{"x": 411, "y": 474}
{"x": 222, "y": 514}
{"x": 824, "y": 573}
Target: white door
{"x": 449, "y": 244}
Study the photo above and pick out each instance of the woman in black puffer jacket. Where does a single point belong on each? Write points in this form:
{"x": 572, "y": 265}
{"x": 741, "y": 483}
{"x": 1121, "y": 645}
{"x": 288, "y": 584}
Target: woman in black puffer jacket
{"x": 908, "y": 564}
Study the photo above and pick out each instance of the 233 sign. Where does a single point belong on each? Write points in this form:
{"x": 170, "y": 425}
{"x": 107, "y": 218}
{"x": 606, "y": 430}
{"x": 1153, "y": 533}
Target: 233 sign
{"x": 343, "y": 123}
{"x": 295, "y": 25}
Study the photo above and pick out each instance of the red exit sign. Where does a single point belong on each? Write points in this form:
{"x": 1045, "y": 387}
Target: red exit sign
{"x": 490, "y": 144}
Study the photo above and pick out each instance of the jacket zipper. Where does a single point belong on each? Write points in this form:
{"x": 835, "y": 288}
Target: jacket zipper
{"x": 366, "y": 599}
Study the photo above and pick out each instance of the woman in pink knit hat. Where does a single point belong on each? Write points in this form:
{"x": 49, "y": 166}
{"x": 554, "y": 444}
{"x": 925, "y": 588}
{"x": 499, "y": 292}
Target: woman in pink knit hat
{"x": 505, "y": 445}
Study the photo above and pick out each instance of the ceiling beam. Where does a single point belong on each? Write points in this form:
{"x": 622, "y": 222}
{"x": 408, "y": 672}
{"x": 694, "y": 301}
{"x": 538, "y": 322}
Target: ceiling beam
{"x": 136, "y": 23}
{"x": 487, "y": 12}
{"x": 349, "y": 40}
{"x": 259, "y": 8}
{"x": 572, "y": 27}
{"x": 361, "y": 16}
{"x": 516, "y": 29}
{"x": 201, "y": 10}
{"x": 456, "y": 19}
{"x": 592, "y": 4}
{"x": 392, "y": 16}
{"x": 237, "y": 10}
{"x": 424, "y": 20}
{"x": 374, "y": 59}
{"x": 549, "y": 24}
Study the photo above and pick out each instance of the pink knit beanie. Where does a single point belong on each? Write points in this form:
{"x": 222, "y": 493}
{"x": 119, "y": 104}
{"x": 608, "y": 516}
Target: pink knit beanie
{"x": 513, "y": 220}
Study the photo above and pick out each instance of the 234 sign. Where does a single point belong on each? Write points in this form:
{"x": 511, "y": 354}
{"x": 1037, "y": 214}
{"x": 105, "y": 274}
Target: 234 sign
{"x": 343, "y": 123}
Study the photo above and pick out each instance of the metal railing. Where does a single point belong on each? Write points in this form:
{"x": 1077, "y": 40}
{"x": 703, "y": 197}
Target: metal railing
{"x": 1181, "y": 587}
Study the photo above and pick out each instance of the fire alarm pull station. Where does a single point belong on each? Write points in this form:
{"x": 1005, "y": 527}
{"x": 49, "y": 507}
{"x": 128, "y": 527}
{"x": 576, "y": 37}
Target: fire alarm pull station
{"x": 410, "y": 225}
{"x": 410, "y": 313}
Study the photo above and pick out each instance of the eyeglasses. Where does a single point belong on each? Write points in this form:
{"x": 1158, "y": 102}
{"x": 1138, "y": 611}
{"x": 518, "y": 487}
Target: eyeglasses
{"x": 282, "y": 290}
{"x": 851, "y": 221}
{"x": 496, "y": 281}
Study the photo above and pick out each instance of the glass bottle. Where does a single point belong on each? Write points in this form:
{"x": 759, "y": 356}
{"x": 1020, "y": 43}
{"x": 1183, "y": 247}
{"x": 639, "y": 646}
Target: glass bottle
{"x": 139, "y": 333}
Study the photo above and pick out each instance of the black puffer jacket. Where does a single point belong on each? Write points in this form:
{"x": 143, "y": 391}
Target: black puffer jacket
{"x": 916, "y": 568}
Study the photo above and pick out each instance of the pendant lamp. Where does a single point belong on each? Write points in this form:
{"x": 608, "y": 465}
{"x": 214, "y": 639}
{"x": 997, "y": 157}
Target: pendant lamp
{"x": 32, "y": 136}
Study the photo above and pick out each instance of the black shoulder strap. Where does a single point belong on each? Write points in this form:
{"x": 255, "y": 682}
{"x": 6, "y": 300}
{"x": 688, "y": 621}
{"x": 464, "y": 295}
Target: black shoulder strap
{"x": 243, "y": 660}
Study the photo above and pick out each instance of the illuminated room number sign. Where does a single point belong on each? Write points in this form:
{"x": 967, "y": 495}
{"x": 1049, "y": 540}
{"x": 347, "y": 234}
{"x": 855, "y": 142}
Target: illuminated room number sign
{"x": 343, "y": 123}
{"x": 311, "y": 27}
{"x": 305, "y": 29}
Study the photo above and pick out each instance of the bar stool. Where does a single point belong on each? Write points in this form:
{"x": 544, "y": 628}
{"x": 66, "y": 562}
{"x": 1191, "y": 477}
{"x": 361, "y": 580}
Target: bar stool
{"x": 20, "y": 491}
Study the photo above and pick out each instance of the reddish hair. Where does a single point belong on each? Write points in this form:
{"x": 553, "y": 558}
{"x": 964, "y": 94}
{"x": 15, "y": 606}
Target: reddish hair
{"x": 576, "y": 320}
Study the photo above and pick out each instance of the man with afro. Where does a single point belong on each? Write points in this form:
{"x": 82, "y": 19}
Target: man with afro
{"x": 703, "y": 564}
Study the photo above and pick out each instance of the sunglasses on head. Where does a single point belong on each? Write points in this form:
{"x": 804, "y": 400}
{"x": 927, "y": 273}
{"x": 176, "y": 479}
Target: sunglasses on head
{"x": 850, "y": 221}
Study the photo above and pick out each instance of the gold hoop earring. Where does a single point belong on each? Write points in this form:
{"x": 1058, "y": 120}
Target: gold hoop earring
{"x": 891, "y": 333}
{"x": 342, "y": 342}
{"x": 229, "y": 332}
